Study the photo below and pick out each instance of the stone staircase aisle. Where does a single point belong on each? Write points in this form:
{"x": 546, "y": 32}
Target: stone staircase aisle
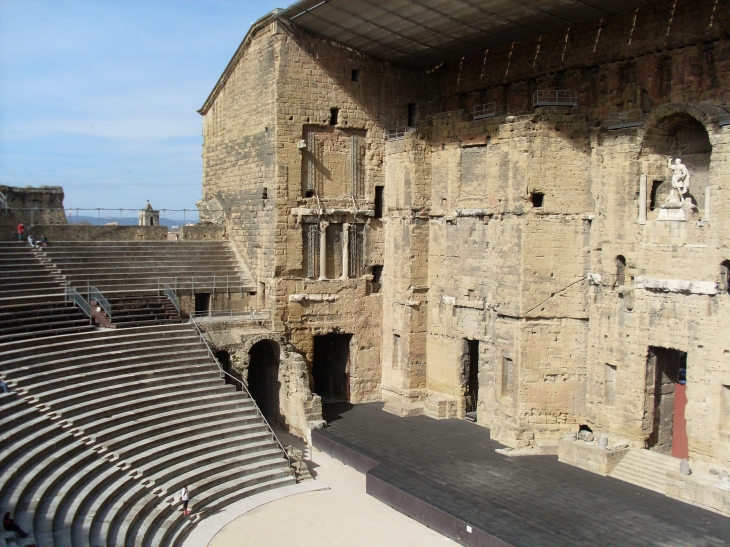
{"x": 102, "y": 429}
{"x": 645, "y": 468}
{"x": 32, "y": 297}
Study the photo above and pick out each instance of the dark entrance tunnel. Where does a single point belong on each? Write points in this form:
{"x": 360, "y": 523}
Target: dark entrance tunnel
{"x": 330, "y": 370}
{"x": 263, "y": 378}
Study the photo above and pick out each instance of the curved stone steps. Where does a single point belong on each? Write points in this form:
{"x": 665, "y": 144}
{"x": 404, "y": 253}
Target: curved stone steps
{"x": 225, "y": 479}
{"x": 156, "y": 426}
{"x": 176, "y": 525}
{"x": 100, "y": 339}
{"x": 75, "y": 379}
{"x": 98, "y": 440}
{"x": 95, "y": 418}
{"x": 103, "y": 429}
{"x": 88, "y": 398}
{"x": 108, "y": 528}
{"x": 98, "y": 406}
{"x": 179, "y": 529}
{"x": 62, "y": 368}
{"x": 82, "y": 522}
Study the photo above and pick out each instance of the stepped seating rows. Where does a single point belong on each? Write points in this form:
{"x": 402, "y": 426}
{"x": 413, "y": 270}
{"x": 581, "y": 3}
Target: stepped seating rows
{"x": 32, "y": 301}
{"x": 645, "y": 468}
{"x": 137, "y": 311}
{"x": 101, "y": 430}
{"x": 143, "y": 266}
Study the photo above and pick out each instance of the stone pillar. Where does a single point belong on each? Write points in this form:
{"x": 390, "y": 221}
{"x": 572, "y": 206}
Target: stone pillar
{"x": 642, "y": 199}
{"x": 323, "y": 250}
{"x": 345, "y": 250}
{"x": 706, "y": 216}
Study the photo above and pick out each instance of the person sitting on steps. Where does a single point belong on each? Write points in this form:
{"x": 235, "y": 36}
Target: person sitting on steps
{"x": 11, "y": 526}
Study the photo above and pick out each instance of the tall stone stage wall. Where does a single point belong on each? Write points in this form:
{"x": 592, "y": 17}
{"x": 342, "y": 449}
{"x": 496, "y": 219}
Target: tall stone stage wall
{"x": 533, "y": 266}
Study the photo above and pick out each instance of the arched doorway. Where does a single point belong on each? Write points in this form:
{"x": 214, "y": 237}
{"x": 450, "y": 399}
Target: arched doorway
{"x": 224, "y": 358}
{"x": 263, "y": 378}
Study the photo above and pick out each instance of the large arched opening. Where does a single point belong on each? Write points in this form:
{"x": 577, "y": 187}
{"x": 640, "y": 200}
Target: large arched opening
{"x": 263, "y": 378}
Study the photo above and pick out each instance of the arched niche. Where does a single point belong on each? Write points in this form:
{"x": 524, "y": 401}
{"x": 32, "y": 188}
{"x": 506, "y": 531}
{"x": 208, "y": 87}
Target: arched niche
{"x": 678, "y": 134}
{"x": 263, "y": 378}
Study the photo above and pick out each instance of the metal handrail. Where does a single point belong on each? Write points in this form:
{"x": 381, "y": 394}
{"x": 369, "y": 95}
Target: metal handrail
{"x": 626, "y": 118}
{"x": 253, "y": 313}
{"x": 243, "y": 386}
{"x": 555, "y": 97}
{"x": 173, "y": 297}
{"x": 75, "y": 296}
{"x": 4, "y": 201}
{"x": 101, "y": 300}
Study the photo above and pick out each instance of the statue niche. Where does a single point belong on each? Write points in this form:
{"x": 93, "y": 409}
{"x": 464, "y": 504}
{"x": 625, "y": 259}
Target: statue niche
{"x": 676, "y": 151}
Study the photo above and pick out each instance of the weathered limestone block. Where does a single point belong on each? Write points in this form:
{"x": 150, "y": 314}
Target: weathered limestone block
{"x": 440, "y": 407}
{"x": 590, "y": 457}
{"x": 703, "y": 490}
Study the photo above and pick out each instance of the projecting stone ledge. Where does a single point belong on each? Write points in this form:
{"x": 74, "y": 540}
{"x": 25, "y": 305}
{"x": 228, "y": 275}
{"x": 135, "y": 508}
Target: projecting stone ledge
{"x": 675, "y": 285}
{"x": 313, "y": 297}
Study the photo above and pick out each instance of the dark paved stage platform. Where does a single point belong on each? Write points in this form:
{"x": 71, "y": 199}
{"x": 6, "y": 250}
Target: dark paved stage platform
{"x": 447, "y": 475}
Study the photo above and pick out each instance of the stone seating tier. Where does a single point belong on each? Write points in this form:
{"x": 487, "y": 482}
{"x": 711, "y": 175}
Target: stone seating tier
{"x": 142, "y": 267}
{"x": 102, "y": 429}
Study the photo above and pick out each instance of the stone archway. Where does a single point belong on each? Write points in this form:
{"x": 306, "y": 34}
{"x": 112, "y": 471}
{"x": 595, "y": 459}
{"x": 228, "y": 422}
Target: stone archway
{"x": 263, "y": 378}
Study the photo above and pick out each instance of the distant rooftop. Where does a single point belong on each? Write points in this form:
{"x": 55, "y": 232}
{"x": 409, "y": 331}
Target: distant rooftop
{"x": 424, "y": 33}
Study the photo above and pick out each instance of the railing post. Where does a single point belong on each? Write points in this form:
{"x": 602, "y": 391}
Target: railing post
{"x": 192, "y": 284}
{"x": 228, "y": 292}
{"x": 176, "y": 284}
{"x": 213, "y": 285}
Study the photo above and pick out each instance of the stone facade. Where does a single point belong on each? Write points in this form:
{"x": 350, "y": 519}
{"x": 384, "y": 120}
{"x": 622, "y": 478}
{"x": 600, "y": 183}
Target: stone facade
{"x": 518, "y": 265}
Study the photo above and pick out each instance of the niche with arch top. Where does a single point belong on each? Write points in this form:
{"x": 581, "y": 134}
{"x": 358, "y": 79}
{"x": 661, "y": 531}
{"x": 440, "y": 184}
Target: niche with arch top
{"x": 620, "y": 271}
{"x": 263, "y": 378}
{"x": 677, "y": 136}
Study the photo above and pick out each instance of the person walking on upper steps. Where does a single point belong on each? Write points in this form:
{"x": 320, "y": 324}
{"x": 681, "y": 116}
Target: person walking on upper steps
{"x": 21, "y": 231}
{"x": 184, "y": 498}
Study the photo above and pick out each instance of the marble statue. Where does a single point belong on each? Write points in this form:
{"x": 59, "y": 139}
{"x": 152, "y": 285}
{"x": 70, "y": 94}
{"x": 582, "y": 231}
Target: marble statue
{"x": 680, "y": 180}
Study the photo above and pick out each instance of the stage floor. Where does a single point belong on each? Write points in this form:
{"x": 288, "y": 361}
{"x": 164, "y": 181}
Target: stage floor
{"x": 531, "y": 501}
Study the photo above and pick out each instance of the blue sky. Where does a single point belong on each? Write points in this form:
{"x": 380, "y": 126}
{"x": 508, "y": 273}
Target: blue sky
{"x": 101, "y": 97}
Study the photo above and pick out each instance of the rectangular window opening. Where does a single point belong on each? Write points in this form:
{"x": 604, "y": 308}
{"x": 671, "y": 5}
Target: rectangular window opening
{"x": 334, "y": 114}
{"x": 411, "y": 114}
{"x": 629, "y": 75}
{"x": 609, "y": 385}
{"x": 537, "y": 199}
{"x": 265, "y": 194}
{"x": 396, "y": 351}
{"x": 507, "y": 376}
{"x": 355, "y": 75}
{"x": 377, "y": 273}
{"x": 726, "y": 407}
{"x": 379, "y": 201}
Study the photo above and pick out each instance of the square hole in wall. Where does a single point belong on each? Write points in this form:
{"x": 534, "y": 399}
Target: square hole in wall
{"x": 537, "y": 199}
{"x": 334, "y": 115}
{"x": 355, "y": 75}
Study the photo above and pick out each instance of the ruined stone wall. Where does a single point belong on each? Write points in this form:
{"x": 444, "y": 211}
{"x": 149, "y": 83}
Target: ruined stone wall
{"x": 31, "y": 206}
{"x": 318, "y": 182}
{"x": 507, "y": 230}
{"x": 674, "y": 52}
{"x": 672, "y": 295}
{"x": 238, "y": 155}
